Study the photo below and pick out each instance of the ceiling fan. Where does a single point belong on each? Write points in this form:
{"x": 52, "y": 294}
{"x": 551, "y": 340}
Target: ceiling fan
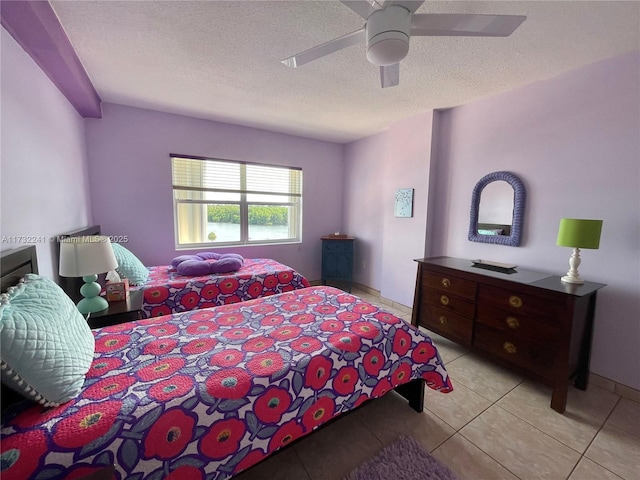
{"x": 389, "y": 25}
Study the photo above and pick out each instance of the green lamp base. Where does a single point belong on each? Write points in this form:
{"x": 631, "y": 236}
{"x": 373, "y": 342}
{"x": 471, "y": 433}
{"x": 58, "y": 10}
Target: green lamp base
{"x": 92, "y": 301}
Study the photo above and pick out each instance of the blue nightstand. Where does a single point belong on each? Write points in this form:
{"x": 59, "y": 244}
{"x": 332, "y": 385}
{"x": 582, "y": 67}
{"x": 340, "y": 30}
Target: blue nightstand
{"x": 337, "y": 259}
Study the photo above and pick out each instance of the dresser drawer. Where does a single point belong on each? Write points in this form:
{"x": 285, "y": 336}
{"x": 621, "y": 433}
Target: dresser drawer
{"x": 450, "y": 285}
{"x": 449, "y": 302}
{"x": 538, "y": 358}
{"x": 539, "y": 328}
{"x": 447, "y": 324}
{"x": 516, "y": 302}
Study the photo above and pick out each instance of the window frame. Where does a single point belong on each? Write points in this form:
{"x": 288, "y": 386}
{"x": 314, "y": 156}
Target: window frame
{"x": 295, "y": 207}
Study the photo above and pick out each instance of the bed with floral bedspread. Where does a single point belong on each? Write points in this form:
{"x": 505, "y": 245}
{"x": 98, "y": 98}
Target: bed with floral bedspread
{"x": 167, "y": 292}
{"x": 208, "y": 393}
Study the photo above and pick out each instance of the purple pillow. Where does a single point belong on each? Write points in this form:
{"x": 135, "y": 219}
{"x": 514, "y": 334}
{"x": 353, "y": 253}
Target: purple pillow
{"x": 182, "y": 258}
{"x": 209, "y": 255}
{"x": 207, "y": 263}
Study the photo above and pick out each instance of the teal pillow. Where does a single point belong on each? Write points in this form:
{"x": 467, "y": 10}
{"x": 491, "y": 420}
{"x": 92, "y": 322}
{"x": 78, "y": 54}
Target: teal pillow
{"x": 46, "y": 345}
{"x": 490, "y": 231}
{"x": 130, "y": 266}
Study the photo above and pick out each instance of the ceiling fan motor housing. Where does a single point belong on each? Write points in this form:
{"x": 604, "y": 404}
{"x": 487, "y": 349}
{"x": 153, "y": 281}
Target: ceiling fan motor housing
{"x": 388, "y": 33}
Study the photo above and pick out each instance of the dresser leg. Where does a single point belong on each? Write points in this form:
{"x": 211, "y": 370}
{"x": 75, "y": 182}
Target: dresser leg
{"x": 559, "y": 398}
{"x": 582, "y": 376}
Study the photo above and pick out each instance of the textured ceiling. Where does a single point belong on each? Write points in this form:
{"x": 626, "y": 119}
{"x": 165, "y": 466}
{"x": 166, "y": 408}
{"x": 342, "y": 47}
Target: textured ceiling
{"x": 221, "y": 60}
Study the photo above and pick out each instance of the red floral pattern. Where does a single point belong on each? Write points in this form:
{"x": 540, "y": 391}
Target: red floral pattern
{"x": 345, "y": 380}
{"x": 207, "y": 393}
{"x": 83, "y": 425}
{"x": 174, "y": 387}
{"x": 272, "y": 404}
{"x": 229, "y": 383}
{"x": 373, "y": 362}
{"x": 265, "y": 364}
{"x": 166, "y": 292}
{"x": 223, "y": 438}
{"x": 21, "y": 453}
{"x": 109, "y": 386}
{"x": 401, "y": 342}
{"x": 318, "y": 413}
{"x": 169, "y": 435}
{"x": 287, "y": 433}
{"x": 318, "y": 372}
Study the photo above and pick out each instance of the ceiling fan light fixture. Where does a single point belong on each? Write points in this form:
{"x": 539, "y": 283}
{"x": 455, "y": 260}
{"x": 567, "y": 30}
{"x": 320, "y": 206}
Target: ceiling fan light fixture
{"x": 388, "y": 33}
{"x": 388, "y": 48}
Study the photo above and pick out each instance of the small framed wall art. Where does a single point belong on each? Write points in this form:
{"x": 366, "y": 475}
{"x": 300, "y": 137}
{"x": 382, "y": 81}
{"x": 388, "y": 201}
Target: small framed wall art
{"x": 404, "y": 202}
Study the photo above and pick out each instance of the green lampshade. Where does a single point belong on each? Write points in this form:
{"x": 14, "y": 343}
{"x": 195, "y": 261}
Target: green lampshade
{"x": 579, "y": 233}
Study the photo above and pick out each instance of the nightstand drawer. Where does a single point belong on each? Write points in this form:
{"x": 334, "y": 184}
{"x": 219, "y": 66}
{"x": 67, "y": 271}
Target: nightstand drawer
{"x": 448, "y": 324}
{"x": 541, "y": 329}
{"x": 516, "y": 302}
{"x": 535, "y": 357}
{"x": 450, "y": 285}
{"x": 450, "y": 302}
{"x": 337, "y": 246}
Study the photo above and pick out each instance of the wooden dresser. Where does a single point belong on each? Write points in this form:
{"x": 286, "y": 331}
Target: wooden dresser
{"x": 529, "y": 321}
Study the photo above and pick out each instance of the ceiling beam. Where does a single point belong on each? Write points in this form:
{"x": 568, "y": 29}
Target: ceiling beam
{"x": 35, "y": 26}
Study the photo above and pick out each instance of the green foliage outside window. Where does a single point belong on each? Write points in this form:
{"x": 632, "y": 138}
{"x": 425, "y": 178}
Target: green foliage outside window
{"x": 258, "y": 214}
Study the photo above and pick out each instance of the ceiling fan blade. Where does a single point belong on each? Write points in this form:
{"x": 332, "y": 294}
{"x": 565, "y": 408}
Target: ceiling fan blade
{"x": 364, "y": 8}
{"x": 464, "y": 25}
{"x": 325, "y": 49}
{"x": 390, "y": 75}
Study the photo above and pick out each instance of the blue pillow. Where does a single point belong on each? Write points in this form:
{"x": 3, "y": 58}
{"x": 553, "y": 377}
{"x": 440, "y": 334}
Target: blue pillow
{"x": 46, "y": 345}
{"x": 130, "y": 266}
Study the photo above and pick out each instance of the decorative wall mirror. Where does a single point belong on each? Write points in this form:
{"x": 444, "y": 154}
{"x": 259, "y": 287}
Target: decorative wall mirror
{"x": 497, "y": 209}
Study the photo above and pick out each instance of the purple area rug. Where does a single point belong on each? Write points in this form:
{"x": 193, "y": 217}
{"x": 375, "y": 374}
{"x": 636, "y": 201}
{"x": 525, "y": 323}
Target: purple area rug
{"x": 404, "y": 459}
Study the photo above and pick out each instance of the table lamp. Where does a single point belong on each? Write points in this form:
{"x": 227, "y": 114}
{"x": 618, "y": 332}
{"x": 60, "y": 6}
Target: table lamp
{"x": 86, "y": 257}
{"x": 578, "y": 233}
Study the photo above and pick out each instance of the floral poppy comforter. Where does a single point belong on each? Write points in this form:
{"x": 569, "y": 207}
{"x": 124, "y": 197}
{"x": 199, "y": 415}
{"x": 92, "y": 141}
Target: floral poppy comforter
{"x": 166, "y": 292}
{"x": 208, "y": 393}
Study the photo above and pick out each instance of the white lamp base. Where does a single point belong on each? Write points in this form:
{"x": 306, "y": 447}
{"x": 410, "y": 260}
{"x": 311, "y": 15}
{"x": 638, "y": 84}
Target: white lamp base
{"x": 572, "y": 275}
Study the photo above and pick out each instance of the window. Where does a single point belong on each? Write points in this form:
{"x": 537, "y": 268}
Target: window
{"x": 223, "y": 202}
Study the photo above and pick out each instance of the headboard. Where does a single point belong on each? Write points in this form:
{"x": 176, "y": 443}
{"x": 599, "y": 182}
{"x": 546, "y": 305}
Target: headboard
{"x": 15, "y": 264}
{"x": 71, "y": 285}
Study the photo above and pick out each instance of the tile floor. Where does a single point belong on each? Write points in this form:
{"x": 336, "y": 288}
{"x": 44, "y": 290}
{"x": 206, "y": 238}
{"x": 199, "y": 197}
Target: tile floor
{"x": 494, "y": 425}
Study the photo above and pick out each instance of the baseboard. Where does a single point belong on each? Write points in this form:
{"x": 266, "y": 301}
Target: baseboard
{"x": 383, "y": 300}
{"x": 615, "y": 387}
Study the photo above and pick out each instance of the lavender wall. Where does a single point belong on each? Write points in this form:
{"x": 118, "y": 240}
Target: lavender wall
{"x": 575, "y": 142}
{"x": 375, "y": 167}
{"x": 363, "y": 206}
{"x": 43, "y": 173}
{"x": 407, "y": 166}
{"x": 130, "y": 179}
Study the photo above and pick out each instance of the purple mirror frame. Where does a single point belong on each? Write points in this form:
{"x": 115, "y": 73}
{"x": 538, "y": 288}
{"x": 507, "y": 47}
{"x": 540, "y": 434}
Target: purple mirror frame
{"x": 519, "y": 198}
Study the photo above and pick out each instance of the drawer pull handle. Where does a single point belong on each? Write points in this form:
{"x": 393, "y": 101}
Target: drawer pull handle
{"x": 509, "y": 347}
{"x": 443, "y": 320}
{"x": 446, "y": 283}
{"x": 444, "y": 300}
{"x": 513, "y": 322}
{"x": 515, "y": 301}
